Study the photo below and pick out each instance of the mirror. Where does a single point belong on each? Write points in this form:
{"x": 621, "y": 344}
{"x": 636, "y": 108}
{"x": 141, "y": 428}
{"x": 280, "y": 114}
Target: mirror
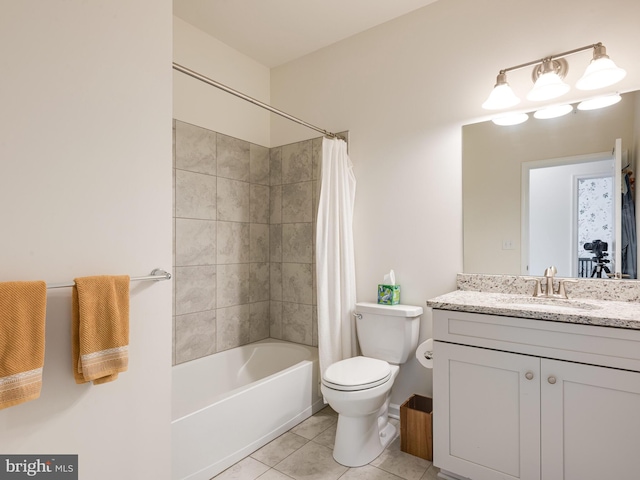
{"x": 496, "y": 163}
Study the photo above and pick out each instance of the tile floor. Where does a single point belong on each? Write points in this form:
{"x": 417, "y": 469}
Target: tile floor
{"x": 305, "y": 453}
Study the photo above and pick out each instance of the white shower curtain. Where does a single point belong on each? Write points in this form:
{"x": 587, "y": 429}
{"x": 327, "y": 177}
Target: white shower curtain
{"x": 335, "y": 261}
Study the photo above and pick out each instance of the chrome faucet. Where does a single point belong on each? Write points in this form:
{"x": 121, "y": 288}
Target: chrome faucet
{"x": 548, "y": 291}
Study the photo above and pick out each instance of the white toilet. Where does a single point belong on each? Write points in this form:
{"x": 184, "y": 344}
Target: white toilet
{"x": 359, "y": 388}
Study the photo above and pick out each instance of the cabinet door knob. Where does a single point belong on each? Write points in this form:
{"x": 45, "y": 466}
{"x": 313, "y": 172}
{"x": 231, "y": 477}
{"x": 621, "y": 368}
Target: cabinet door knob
{"x": 528, "y": 375}
{"x": 551, "y": 379}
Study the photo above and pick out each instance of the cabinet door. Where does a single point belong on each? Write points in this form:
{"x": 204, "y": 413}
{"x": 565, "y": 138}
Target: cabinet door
{"x": 590, "y": 422}
{"x": 486, "y": 413}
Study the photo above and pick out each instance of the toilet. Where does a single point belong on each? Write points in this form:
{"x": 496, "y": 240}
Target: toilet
{"x": 359, "y": 388}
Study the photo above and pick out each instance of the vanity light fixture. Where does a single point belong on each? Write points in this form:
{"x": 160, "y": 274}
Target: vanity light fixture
{"x": 553, "y": 112}
{"x": 511, "y": 119}
{"x": 548, "y": 75}
{"x": 599, "y": 102}
{"x": 547, "y": 79}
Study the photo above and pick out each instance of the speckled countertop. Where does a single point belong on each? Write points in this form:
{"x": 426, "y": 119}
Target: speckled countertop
{"x": 609, "y": 303}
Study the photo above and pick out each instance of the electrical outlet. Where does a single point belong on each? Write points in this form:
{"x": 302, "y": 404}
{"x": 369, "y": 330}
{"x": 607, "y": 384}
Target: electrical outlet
{"x": 507, "y": 245}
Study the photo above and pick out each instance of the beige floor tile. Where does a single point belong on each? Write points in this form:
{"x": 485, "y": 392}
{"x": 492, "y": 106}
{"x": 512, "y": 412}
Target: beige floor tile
{"x": 404, "y": 465}
{"x": 368, "y": 472}
{"x": 328, "y": 437}
{"x": 431, "y": 473}
{"x": 314, "y": 426}
{"x": 279, "y": 449}
{"x": 311, "y": 462}
{"x": 247, "y": 469}
{"x": 273, "y": 475}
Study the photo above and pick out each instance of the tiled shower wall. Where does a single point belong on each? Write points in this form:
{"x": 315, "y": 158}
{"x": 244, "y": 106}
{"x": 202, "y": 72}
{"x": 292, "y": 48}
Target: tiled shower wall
{"x": 244, "y": 230}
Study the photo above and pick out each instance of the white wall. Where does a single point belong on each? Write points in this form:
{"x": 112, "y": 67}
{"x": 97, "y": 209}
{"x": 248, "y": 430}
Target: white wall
{"x": 208, "y": 107}
{"x": 85, "y": 189}
{"x": 403, "y": 90}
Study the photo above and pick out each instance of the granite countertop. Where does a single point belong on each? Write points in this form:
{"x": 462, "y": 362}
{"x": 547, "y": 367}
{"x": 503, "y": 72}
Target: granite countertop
{"x": 587, "y": 311}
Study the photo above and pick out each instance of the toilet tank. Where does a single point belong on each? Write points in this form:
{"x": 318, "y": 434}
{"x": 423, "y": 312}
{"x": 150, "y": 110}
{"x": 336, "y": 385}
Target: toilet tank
{"x": 388, "y": 332}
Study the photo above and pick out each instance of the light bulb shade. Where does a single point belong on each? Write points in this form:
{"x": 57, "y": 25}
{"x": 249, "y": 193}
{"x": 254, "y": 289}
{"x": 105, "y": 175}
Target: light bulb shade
{"x": 601, "y": 72}
{"x": 511, "y": 119}
{"x": 548, "y": 86}
{"x": 501, "y": 96}
{"x": 599, "y": 102}
{"x": 553, "y": 112}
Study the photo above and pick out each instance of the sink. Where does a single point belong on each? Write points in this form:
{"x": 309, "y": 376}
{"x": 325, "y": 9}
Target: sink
{"x": 549, "y": 303}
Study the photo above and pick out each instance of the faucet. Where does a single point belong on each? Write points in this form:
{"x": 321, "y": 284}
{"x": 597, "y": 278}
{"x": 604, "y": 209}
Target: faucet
{"x": 549, "y": 274}
{"x": 548, "y": 291}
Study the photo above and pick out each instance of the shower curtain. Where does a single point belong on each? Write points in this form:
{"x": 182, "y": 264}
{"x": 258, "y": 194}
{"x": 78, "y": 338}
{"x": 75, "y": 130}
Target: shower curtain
{"x": 335, "y": 261}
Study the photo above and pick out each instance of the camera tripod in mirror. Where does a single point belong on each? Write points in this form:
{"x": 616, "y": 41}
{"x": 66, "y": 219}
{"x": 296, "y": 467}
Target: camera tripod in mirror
{"x": 599, "y": 250}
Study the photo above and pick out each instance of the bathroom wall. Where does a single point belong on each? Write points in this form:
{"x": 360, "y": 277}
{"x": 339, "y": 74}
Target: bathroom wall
{"x": 203, "y": 105}
{"x": 221, "y": 215}
{"x": 243, "y": 247}
{"x": 404, "y": 89}
{"x": 85, "y": 190}
{"x": 293, "y": 209}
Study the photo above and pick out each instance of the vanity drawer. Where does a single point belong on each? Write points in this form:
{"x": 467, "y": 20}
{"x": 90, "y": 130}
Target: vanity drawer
{"x": 595, "y": 345}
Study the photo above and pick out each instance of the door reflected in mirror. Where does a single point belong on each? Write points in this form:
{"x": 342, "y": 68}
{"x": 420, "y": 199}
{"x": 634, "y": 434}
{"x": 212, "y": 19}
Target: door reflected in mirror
{"x": 508, "y": 232}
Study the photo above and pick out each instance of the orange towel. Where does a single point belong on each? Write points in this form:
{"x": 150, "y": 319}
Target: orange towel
{"x": 100, "y": 328}
{"x": 23, "y": 308}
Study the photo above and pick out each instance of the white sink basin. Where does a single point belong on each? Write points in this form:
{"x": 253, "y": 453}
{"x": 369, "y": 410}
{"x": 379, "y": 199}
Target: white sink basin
{"x": 549, "y": 303}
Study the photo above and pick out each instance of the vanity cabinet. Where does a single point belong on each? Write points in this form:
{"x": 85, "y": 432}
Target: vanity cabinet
{"x": 529, "y": 399}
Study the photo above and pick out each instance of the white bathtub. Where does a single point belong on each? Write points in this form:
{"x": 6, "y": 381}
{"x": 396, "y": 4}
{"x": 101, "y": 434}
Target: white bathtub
{"x": 227, "y": 405}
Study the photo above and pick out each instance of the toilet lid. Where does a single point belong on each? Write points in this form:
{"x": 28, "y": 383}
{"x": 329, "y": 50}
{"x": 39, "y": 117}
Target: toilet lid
{"x": 357, "y": 373}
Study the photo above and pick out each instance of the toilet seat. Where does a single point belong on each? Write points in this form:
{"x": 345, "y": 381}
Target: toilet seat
{"x": 357, "y": 373}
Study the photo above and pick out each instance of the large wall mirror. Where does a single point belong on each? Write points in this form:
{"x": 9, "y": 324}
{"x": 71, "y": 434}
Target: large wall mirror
{"x": 549, "y": 192}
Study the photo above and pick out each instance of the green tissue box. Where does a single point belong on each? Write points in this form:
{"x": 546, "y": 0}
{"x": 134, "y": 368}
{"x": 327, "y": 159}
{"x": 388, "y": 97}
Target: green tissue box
{"x": 389, "y": 294}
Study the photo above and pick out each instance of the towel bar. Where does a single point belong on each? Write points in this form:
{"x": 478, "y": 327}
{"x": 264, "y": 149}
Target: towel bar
{"x": 156, "y": 275}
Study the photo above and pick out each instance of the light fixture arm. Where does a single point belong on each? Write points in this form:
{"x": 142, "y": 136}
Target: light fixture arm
{"x": 552, "y": 57}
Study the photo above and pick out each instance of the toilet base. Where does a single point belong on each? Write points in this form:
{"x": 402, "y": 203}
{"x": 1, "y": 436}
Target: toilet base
{"x": 359, "y": 440}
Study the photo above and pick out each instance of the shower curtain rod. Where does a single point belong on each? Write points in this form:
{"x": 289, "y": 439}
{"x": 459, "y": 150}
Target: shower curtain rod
{"x": 241, "y": 95}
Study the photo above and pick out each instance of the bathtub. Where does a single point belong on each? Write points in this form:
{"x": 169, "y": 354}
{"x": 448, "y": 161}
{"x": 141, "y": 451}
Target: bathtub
{"x": 227, "y": 405}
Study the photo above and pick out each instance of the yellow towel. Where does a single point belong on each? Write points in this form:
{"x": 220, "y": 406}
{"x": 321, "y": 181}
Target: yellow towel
{"x": 100, "y": 328}
{"x": 23, "y": 308}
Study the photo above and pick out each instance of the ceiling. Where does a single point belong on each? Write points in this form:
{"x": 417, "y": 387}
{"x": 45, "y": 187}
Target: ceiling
{"x": 274, "y": 32}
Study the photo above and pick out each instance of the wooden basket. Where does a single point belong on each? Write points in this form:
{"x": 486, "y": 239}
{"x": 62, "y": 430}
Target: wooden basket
{"x": 416, "y": 434}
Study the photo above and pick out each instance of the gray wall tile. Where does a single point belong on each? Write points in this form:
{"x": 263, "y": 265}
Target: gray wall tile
{"x": 233, "y": 200}
{"x": 297, "y": 242}
{"x": 275, "y": 166}
{"x": 195, "y": 289}
{"x": 275, "y": 243}
{"x": 237, "y": 219}
{"x": 297, "y": 283}
{"x": 316, "y": 155}
{"x": 233, "y": 158}
{"x": 195, "y": 335}
{"x": 275, "y": 204}
{"x": 297, "y": 163}
{"x": 232, "y": 285}
{"x": 233, "y": 324}
{"x": 297, "y": 323}
{"x": 259, "y": 321}
{"x": 195, "y": 195}
{"x": 233, "y": 242}
{"x": 259, "y": 165}
{"x": 297, "y": 202}
{"x": 258, "y": 282}
{"x": 195, "y": 242}
{"x": 259, "y": 245}
{"x": 195, "y": 148}
{"x": 275, "y": 281}
{"x": 259, "y": 204}
{"x": 275, "y": 319}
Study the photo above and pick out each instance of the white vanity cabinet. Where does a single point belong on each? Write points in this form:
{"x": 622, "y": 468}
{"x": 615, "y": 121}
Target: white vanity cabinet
{"x": 529, "y": 399}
